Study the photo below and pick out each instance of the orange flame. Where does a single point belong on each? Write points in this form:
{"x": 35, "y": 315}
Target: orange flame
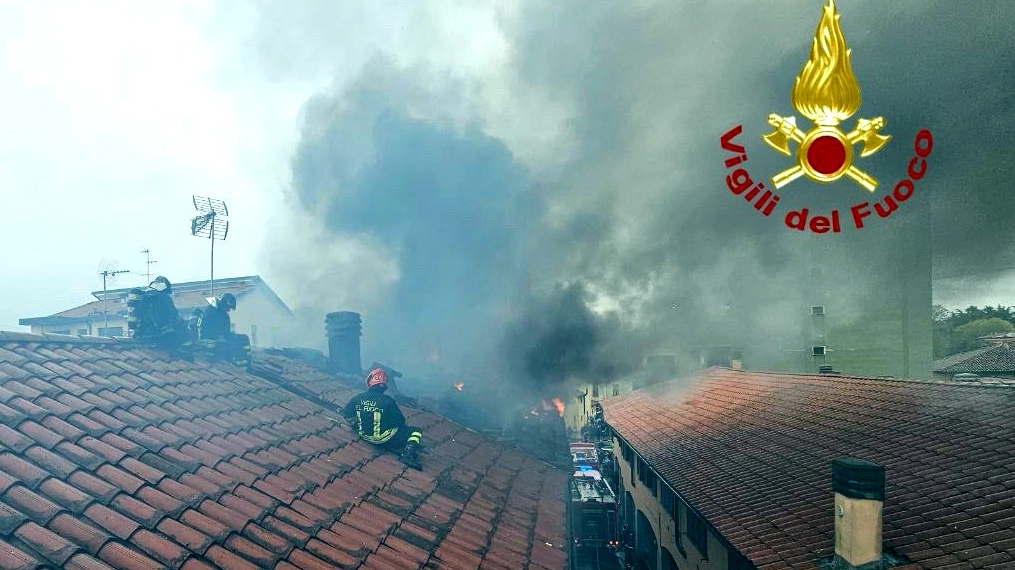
{"x": 826, "y": 91}
{"x": 460, "y": 386}
{"x": 559, "y": 404}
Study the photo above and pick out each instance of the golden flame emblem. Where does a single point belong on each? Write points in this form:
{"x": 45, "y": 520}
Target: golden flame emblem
{"x": 827, "y": 93}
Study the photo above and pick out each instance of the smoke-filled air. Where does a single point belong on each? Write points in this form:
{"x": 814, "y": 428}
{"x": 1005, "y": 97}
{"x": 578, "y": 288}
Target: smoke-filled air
{"x": 534, "y": 193}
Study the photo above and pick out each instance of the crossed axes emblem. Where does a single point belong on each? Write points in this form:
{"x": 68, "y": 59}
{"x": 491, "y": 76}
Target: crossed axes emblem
{"x": 866, "y": 131}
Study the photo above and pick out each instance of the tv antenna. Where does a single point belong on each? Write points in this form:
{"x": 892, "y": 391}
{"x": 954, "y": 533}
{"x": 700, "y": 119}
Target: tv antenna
{"x": 208, "y": 223}
{"x": 148, "y": 265}
{"x": 108, "y": 271}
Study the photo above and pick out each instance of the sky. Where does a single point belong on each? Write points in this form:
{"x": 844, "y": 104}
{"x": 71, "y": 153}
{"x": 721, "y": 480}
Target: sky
{"x": 489, "y": 178}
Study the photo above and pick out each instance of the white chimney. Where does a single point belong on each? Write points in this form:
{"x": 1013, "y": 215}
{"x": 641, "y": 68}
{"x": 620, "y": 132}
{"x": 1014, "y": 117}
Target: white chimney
{"x": 859, "y": 489}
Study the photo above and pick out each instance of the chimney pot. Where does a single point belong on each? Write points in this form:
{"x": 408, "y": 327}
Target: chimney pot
{"x": 859, "y": 489}
{"x": 344, "y": 330}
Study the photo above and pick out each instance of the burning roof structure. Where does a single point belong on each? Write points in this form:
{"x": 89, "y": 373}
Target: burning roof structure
{"x": 117, "y": 456}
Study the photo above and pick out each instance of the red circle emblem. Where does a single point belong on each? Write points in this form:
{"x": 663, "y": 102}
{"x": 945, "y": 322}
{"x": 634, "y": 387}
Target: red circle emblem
{"x": 826, "y": 155}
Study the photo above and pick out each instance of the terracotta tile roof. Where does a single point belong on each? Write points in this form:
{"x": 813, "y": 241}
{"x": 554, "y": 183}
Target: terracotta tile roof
{"x": 112, "y": 455}
{"x": 997, "y": 358}
{"x": 751, "y": 452}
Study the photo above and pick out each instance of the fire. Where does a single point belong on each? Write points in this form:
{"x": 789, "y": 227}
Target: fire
{"x": 460, "y": 386}
{"x": 559, "y": 404}
{"x": 826, "y": 91}
{"x": 555, "y": 404}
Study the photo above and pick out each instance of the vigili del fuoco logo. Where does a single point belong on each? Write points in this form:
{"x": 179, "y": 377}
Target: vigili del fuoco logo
{"x": 827, "y": 93}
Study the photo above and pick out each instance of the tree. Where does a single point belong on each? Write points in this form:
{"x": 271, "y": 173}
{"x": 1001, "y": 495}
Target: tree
{"x": 959, "y": 331}
{"x": 967, "y": 337}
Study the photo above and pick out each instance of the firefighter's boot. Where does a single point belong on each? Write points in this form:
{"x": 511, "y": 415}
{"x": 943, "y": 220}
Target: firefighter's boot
{"x": 410, "y": 456}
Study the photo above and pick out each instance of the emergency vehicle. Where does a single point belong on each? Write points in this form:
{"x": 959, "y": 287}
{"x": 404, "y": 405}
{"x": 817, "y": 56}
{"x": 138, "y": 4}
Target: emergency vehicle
{"x": 592, "y": 510}
{"x": 584, "y": 454}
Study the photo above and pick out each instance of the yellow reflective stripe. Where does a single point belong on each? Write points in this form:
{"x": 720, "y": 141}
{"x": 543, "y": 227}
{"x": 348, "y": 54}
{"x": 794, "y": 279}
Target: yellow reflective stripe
{"x": 377, "y": 423}
{"x": 382, "y": 438}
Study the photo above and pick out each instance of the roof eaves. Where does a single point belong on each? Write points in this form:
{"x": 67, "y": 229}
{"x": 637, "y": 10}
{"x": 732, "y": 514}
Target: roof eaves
{"x": 10, "y": 336}
{"x": 715, "y": 531}
{"x": 190, "y": 285}
{"x": 58, "y": 320}
{"x": 273, "y": 296}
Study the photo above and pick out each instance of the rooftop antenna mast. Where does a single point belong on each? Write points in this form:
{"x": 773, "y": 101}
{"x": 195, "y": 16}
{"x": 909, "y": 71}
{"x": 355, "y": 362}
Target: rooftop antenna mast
{"x": 209, "y": 223}
{"x": 148, "y": 265}
{"x": 108, "y": 271}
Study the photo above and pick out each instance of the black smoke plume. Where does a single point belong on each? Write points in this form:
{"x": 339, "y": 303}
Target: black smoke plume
{"x": 458, "y": 230}
{"x": 559, "y": 338}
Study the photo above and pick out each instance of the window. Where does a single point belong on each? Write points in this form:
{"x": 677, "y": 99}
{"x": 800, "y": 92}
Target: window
{"x": 676, "y": 524}
{"x": 626, "y": 451}
{"x": 739, "y": 562}
{"x": 628, "y": 454}
{"x": 647, "y": 476}
{"x": 669, "y": 500}
{"x": 616, "y": 389}
{"x": 111, "y": 331}
{"x": 253, "y": 335}
{"x": 697, "y": 533}
{"x": 83, "y": 332}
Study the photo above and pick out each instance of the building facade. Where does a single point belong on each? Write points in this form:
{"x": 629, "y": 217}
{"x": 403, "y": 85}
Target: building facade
{"x": 735, "y": 471}
{"x": 578, "y": 408}
{"x": 669, "y": 534}
{"x": 260, "y": 313}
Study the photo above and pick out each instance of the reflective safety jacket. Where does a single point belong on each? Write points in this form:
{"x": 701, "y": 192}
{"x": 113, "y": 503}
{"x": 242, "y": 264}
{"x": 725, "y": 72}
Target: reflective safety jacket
{"x": 375, "y": 416}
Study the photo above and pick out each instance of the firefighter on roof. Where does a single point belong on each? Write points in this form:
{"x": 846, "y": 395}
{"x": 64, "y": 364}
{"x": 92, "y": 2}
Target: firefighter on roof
{"x": 215, "y": 330}
{"x": 376, "y": 418}
{"x": 152, "y": 315}
{"x": 215, "y": 322}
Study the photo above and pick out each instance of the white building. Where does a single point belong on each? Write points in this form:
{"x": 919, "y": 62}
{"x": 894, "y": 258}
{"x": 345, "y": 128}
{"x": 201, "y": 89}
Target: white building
{"x": 259, "y": 313}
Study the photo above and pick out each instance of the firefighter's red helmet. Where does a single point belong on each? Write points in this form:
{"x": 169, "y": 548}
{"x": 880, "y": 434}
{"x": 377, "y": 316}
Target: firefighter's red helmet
{"x": 377, "y": 377}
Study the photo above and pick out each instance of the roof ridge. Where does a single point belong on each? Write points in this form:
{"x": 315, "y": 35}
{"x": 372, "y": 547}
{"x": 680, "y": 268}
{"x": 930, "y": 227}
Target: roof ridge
{"x": 908, "y": 381}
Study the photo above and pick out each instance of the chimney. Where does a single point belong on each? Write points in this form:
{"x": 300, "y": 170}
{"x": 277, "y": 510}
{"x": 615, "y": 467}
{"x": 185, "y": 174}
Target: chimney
{"x": 859, "y": 490}
{"x": 344, "y": 330}
{"x": 737, "y": 361}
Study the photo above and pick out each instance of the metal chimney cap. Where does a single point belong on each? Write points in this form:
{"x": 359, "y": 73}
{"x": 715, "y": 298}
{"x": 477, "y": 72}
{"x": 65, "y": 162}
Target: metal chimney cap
{"x": 858, "y": 479}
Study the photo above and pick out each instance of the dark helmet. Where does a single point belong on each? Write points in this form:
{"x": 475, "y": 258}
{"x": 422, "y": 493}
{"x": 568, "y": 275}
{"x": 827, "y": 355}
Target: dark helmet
{"x": 162, "y": 284}
{"x": 197, "y": 312}
{"x": 227, "y": 301}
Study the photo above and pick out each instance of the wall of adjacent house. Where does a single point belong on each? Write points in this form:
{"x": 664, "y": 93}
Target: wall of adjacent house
{"x": 260, "y": 318}
{"x": 83, "y": 329}
{"x": 685, "y": 555}
{"x": 577, "y": 411}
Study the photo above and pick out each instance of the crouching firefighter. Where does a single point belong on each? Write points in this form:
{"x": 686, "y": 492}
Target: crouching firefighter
{"x": 152, "y": 316}
{"x": 377, "y": 419}
{"x": 215, "y": 331}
